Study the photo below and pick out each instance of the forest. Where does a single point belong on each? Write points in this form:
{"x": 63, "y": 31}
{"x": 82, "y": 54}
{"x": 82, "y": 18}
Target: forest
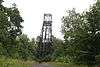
{"x": 80, "y": 47}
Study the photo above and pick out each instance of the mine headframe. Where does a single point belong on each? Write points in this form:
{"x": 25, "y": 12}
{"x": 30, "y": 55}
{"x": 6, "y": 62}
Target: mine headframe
{"x": 46, "y": 32}
{"x": 45, "y": 40}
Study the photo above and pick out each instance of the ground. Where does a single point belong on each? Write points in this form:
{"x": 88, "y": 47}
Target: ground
{"x": 42, "y": 65}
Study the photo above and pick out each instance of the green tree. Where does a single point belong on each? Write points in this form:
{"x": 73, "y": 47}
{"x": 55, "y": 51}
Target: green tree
{"x": 82, "y": 35}
{"x": 73, "y": 30}
{"x": 32, "y": 48}
{"x": 25, "y": 47}
{"x": 10, "y": 28}
{"x": 58, "y": 46}
{"x": 93, "y": 18}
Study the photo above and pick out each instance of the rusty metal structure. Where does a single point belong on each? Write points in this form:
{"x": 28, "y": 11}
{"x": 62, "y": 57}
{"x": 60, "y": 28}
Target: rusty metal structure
{"x": 45, "y": 39}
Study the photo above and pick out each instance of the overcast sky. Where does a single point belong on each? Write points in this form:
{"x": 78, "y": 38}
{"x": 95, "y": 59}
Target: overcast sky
{"x": 32, "y": 12}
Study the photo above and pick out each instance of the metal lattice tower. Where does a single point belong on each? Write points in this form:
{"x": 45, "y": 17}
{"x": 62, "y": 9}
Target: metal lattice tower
{"x": 45, "y": 40}
{"x": 47, "y": 29}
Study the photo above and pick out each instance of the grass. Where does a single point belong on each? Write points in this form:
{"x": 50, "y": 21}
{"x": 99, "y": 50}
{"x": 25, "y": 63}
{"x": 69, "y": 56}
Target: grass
{"x": 15, "y": 63}
{"x": 58, "y": 64}
{"x": 18, "y": 63}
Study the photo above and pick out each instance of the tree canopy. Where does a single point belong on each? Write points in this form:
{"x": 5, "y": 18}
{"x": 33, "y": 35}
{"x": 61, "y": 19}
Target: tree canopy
{"x": 10, "y": 28}
{"x": 82, "y": 35}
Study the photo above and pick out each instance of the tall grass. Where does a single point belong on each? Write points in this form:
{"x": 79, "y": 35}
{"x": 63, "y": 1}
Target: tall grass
{"x": 15, "y": 63}
{"x": 58, "y": 64}
{"x": 19, "y": 63}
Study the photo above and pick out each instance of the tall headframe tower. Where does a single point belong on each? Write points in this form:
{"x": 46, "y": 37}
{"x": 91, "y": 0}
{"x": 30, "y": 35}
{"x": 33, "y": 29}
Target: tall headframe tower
{"x": 45, "y": 49}
{"x": 47, "y": 29}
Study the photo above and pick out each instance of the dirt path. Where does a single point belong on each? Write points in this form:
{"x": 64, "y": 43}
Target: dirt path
{"x": 41, "y": 65}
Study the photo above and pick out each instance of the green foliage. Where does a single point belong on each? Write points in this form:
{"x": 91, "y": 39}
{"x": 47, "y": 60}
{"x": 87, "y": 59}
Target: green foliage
{"x": 12, "y": 43}
{"x": 58, "y": 54}
{"x": 18, "y": 63}
{"x": 82, "y": 35}
{"x": 10, "y": 28}
{"x": 81, "y": 44}
{"x": 59, "y": 64}
{"x": 14, "y": 63}
{"x": 43, "y": 51}
{"x": 25, "y": 47}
